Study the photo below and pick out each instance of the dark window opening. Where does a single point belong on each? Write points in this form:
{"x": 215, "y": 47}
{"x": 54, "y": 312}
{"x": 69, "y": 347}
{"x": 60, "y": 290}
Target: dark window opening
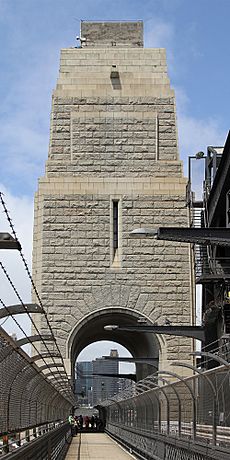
{"x": 115, "y": 227}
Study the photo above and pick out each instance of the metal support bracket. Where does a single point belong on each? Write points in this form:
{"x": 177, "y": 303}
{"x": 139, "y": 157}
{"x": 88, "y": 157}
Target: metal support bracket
{"x": 195, "y": 332}
{"x": 20, "y": 309}
{"x": 34, "y": 338}
{"x": 120, "y": 376}
{"x": 211, "y": 235}
{"x": 133, "y": 360}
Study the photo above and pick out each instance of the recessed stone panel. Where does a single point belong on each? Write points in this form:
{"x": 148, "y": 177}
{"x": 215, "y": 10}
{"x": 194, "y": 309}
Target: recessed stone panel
{"x": 110, "y": 132}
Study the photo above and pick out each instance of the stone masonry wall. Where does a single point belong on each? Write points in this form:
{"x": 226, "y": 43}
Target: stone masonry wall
{"x": 112, "y": 140}
{"x": 112, "y": 33}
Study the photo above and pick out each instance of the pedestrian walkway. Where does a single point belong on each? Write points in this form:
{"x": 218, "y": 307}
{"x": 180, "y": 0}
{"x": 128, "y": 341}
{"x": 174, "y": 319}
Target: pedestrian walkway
{"x": 87, "y": 446}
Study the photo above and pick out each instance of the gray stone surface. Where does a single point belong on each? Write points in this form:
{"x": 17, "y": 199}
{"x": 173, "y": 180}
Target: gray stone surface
{"x": 105, "y": 144}
{"x": 112, "y": 33}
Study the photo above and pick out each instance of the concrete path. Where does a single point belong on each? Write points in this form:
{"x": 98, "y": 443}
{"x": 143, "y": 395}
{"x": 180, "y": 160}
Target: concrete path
{"x": 95, "y": 446}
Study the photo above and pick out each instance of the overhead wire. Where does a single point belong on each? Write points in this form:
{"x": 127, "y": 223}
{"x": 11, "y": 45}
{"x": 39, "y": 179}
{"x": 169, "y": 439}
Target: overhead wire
{"x": 69, "y": 390}
{"x": 29, "y": 341}
{"x": 32, "y": 321}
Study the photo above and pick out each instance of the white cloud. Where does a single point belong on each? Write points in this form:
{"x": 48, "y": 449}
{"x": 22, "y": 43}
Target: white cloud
{"x": 158, "y": 33}
{"x": 197, "y": 134}
{"x": 25, "y": 107}
{"x": 161, "y": 34}
{"x": 182, "y": 99}
{"x": 25, "y": 147}
{"x": 21, "y": 213}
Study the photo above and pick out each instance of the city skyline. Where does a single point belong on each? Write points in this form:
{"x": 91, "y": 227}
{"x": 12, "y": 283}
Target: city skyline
{"x": 90, "y": 388}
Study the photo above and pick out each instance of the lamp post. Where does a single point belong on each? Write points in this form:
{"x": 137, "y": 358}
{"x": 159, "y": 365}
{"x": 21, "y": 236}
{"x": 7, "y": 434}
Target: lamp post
{"x": 195, "y": 235}
{"x": 8, "y": 242}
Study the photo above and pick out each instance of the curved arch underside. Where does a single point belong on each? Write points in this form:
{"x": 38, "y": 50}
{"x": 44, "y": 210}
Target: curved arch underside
{"x": 91, "y": 329}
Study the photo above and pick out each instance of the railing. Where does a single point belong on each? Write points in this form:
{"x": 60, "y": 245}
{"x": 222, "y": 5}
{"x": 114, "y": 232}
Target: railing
{"x": 50, "y": 446}
{"x": 194, "y": 411}
{"x": 35, "y": 389}
{"x": 156, "y": 446}
{"x": 207, "y": 266}
{"x": 207, "y": 263}
{"x": 27, "y": 398}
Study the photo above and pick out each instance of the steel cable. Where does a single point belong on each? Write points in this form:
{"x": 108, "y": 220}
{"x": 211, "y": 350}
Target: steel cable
{"x": 36, "y": 293}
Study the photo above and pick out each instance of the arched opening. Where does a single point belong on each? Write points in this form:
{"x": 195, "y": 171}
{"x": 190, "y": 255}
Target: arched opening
{"x": 91, "y": 329}
{"x": 99, "y": 375}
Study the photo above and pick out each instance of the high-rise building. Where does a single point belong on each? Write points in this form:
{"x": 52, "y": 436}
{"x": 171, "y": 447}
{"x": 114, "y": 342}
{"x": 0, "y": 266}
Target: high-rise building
{"x": 105, "y": 387}
{"x": 84, "y": 382}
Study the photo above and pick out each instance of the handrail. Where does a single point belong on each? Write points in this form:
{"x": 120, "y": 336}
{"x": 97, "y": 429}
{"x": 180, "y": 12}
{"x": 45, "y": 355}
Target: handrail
{"x": 45, "y": 446}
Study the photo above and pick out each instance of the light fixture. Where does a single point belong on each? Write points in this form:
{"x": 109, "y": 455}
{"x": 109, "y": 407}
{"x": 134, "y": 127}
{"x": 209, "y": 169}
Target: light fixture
{"x": 111, "y": 327}
{"x": 143, "y": 232}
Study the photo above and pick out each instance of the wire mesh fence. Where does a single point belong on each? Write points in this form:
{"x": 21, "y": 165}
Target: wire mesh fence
{"x": 27, "y": 397}
{"x": 194, "y": 408}
{"x": 35, "y": 390}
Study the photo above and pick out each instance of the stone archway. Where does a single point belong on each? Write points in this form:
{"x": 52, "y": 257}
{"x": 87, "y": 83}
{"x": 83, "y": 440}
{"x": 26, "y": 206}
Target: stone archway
{"x": 91, "y": 329}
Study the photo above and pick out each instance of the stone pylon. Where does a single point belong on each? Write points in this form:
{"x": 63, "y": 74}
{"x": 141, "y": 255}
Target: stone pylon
{"x": 113, "y": 166}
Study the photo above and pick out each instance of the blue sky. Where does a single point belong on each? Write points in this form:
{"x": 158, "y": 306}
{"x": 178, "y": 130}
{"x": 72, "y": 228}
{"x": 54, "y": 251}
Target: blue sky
{"x": 195, "y": 35}
{"x": 32, "y": 32}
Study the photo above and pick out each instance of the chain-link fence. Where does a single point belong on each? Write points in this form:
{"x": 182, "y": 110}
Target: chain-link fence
{"x": 28, "y": 397}
{"x": 194, "y": 408}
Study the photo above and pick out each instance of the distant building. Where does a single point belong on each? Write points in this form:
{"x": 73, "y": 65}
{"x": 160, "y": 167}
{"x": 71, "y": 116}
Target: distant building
{"x": 105, "y": 387}
{"x": 84, "y": 382}
{"x": 124, "y": 384}
{"x": 90, "y": 388}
